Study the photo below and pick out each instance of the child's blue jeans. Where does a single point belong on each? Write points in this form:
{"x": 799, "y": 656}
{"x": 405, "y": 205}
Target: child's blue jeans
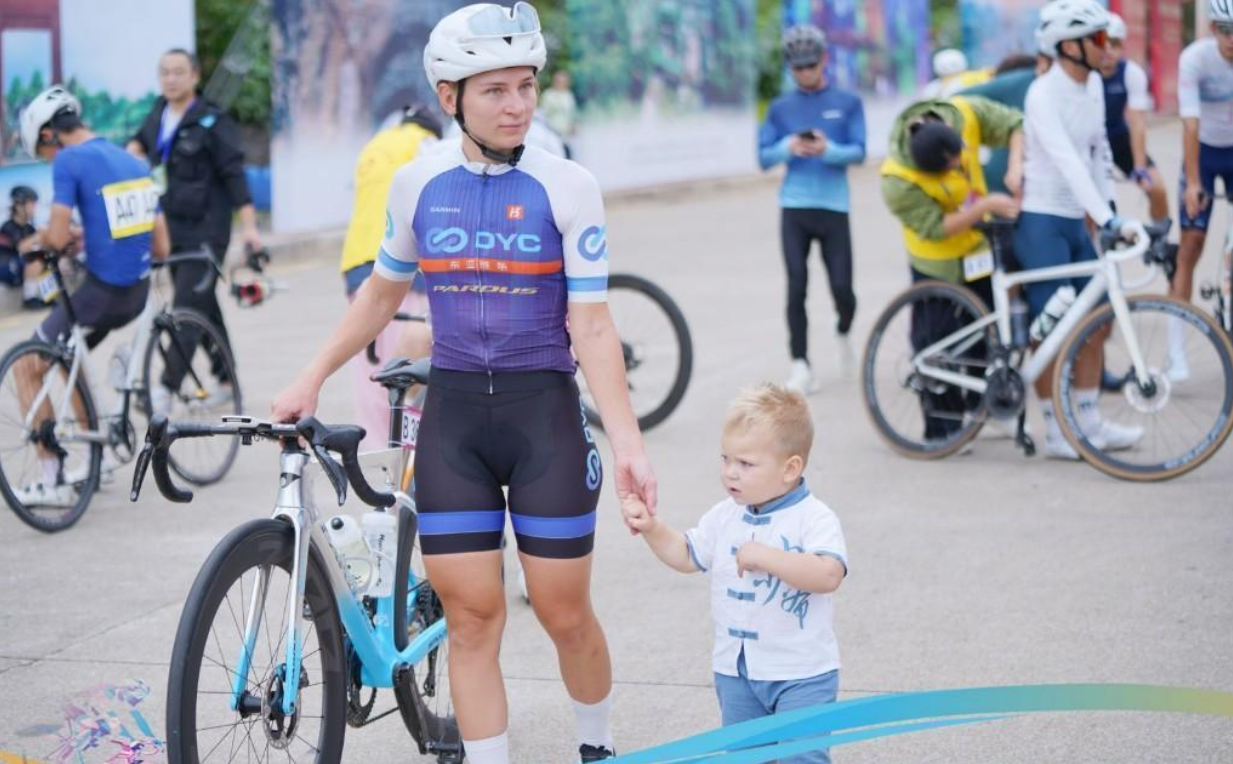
{"x": 742, "y": 699}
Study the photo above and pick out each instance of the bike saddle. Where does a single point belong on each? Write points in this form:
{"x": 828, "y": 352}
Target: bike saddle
{"x": 401, "y": 373}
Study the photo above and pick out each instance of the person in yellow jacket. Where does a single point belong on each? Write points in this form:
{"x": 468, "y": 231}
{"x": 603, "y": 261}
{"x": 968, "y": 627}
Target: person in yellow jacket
{"x": 380, "y": 158}
{"x": 933, "y": 183}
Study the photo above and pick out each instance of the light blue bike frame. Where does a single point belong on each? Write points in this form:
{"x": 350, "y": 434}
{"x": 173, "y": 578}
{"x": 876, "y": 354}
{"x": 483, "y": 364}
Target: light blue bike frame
{"x": 372, "y": 639}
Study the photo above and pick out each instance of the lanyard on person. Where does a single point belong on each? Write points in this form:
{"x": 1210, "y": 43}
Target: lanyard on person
{"x": 165, "y": 137}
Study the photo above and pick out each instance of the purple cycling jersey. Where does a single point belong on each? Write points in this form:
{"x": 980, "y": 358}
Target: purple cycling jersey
{"x": 503, "y": 249}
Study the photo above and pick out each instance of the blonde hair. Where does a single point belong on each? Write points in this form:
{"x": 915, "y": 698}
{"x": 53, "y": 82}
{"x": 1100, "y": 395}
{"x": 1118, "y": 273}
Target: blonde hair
{"x": 784, "y": 414}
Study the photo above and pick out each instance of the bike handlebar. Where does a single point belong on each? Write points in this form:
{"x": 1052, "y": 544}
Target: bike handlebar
{"x": 322, "y": 439}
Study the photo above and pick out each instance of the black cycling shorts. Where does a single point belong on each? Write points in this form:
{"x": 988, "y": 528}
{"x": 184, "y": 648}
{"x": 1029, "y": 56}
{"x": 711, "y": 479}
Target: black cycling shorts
{"x": 1123, "y": 155}
{"x": 99, "y": 307}
{"x": 529, "y": 434}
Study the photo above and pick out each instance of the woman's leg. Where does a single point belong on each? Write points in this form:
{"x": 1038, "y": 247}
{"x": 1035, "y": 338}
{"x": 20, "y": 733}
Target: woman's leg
{"x": 561, "y": 597}
{"x": 473, "y": 595}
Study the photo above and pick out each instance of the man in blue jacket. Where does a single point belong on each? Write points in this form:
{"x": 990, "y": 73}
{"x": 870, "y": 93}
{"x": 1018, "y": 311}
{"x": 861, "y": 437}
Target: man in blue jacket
{"x": 818, "y": 130}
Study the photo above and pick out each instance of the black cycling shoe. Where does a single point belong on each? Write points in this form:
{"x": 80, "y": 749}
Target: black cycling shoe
{"x": 595, "y": 753}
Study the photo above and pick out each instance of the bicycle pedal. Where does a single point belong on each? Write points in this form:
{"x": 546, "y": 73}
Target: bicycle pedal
{"x": 1027, "y": 444}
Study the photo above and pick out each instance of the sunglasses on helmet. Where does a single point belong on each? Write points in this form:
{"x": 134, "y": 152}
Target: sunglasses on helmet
{"x": 1224, "y": 28}
{"x": 497, "y": 21}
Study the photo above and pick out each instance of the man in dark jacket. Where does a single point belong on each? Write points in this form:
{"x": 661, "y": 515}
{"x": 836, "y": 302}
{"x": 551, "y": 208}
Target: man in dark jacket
{"x": 194, "y": 148}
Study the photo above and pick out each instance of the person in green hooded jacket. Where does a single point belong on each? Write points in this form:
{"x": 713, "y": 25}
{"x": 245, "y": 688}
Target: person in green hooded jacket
{"x": 933, "y": 183}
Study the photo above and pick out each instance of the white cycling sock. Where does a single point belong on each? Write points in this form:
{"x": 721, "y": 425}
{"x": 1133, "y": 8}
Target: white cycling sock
{"x": 29, "y": 290}
{"x": 594, "y": 722}
{"x": 1052, "y": 430}
{"x": 1088, "y": 402}
{"x": 51, "y": 470}
{"x": 490, "y": 750}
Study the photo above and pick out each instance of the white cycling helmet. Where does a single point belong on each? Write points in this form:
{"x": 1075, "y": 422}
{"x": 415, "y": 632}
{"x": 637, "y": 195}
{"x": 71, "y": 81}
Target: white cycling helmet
{"x": 948, "y": 62}
{"x": 46, "y": 105}
{"x": 1062, "y": 20}
{"x": 1220, "y": 11}
{"x": 484, "y": 37}
{"x": 1117, "y": 27}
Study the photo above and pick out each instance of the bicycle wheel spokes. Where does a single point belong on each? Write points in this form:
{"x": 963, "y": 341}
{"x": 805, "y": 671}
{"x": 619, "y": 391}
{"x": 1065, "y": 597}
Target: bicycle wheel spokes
{"x": 226, "y": 692}
{"x": 48, "y": 471}
{"x": 920, "y": 415}
{"x": 190, "y": 376}
{"x": 1168, "y": 426}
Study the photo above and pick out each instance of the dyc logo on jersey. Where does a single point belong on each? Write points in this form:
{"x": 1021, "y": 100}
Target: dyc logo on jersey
{"x": 450, "y": 241}
{"x": 593, "y": 244}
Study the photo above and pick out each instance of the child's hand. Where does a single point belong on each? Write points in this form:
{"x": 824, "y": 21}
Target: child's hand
{"x": 749, "y": 558}
{"x": 637, "y": 516}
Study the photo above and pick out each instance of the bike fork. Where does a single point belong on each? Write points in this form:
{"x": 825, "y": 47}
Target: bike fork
{"x": 256, "y": 607}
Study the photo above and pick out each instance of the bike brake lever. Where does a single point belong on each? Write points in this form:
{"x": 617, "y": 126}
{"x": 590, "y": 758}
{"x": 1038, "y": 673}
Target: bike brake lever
{"x": 139, "y": 470}
{"x": 334, "y": 471}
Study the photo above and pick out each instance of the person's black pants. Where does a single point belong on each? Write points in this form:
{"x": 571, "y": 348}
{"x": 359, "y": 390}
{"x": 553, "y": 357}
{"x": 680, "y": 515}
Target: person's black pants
{"x": 195, "y": 283}
{"x": 800, "y": 228}
{"x": 931, "y": 321}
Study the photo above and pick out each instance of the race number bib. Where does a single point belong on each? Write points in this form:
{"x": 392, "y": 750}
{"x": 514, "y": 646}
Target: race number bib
{"x": 49, "y": 288}
{"x": 131, "y": 207}
{"x": 410, "y": 426}
{"x": 977, "y": 266}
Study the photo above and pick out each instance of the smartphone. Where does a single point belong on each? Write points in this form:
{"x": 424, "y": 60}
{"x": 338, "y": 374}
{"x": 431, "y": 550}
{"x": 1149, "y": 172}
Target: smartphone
{"x": 807, "y": 135}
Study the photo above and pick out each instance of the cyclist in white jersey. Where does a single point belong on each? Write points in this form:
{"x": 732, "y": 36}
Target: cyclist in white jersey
{"x": 1066, "y": 173}
{"x": 1205, "y": 103}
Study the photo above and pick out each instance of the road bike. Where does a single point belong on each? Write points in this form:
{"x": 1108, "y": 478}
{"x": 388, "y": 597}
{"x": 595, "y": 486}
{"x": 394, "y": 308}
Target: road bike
{"x": 48, "y": 413}
{"x": 277, "y": 644}
{"x": 939, "y": 364}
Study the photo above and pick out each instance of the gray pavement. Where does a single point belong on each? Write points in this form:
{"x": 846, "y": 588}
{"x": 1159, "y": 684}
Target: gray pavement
{"x": 981, "y": 570}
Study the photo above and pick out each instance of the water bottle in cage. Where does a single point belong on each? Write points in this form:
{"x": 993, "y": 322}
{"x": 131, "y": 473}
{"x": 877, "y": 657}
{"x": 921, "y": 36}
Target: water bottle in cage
{"x": 1055, "y": 308}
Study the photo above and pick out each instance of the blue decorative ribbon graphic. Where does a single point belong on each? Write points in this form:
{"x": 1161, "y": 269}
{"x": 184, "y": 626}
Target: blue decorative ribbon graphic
{"x": 852, "y": 721}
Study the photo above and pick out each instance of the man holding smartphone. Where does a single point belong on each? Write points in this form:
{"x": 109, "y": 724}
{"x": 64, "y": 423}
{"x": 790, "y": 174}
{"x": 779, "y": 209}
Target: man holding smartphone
{"x": 817, "y": 130}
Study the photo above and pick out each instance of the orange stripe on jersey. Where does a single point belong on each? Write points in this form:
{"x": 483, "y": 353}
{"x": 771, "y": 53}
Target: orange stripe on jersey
{"x": 447, "y": 264}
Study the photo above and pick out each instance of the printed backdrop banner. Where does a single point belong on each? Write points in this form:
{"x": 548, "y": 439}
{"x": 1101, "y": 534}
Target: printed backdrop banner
{"x": 341, "y": 68}
{"x": 878, "y": 47}
{"x": 89, "y": 46}
{"x": 666, "y": 89}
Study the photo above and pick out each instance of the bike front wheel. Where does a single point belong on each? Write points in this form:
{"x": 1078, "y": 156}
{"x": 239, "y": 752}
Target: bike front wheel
{"x": 249, "y": 576}
{"x": 917, "y": 414}
{"x": 1161, "y": 429}
{"x": 657, "y": 348}
{"x": 189, "y": 375}
{"x": 49, "y": 471}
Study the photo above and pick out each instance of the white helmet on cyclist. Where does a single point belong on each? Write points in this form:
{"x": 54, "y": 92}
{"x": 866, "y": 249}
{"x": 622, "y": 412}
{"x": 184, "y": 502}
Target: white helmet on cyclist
{"x": 1063, "y": 20}
{"x": 1220, "y": 11}
{"x": 1117, "y": 27}
{"x": 47, "y": 105}
{"x": 481, "y": 38}
{"x": 949, "y": 61}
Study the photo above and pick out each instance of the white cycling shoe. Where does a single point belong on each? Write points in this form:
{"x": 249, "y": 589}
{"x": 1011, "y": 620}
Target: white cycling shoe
{"x": 40, "y": 495}
{"x": 1116, "y": 437}
{"x": 802, "y": 379}
{"x": 846, "y": 356}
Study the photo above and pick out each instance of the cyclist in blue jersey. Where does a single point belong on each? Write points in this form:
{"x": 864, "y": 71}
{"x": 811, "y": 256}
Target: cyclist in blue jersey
{"x": 817, "y": 130}
{"x": 121, "y": 228}
{"x": 511, "y": 242}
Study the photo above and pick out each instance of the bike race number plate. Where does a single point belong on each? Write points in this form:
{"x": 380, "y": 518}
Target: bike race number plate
{"x": 410, "y": 426}
{"x": 131, "y": 207}
{"x": 977, "y": 266}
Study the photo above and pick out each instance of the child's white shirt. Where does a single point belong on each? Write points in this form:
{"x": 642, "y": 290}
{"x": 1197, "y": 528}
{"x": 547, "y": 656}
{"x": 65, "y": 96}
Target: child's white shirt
{"x": 785, "y": 633}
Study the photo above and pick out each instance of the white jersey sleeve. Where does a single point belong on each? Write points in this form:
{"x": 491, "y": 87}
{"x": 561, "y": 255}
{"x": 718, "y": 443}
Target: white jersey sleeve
{"x": 398, "y": 258}
{"x": 578, "y": 208}
{"x": 1137, "y": 96}
{"x": 1189, "y": 74}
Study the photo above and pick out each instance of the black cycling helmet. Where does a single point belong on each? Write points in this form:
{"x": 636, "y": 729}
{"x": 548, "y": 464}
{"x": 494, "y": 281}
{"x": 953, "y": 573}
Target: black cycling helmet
{"x": 421, "y": 115}
{"x": 933, "y": 144}
{"x": 803, "y": 45}
{"x": 23, "y": 194}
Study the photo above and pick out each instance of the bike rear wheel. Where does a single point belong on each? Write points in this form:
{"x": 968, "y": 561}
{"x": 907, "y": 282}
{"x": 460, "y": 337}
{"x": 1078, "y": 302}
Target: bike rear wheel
{"x": 422, "y": 689}
{"x": 41, "y": 502}
{"x": 186, "y": 345}
{"x": 209, "y": 643}
{"x": 1183, "y": 421}
{"x": 657, "y": 346}
{"x": 920, "y": 416}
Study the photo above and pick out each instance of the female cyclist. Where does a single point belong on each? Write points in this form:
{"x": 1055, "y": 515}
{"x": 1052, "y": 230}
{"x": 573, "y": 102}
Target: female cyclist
{"x": 511, "y": 241}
